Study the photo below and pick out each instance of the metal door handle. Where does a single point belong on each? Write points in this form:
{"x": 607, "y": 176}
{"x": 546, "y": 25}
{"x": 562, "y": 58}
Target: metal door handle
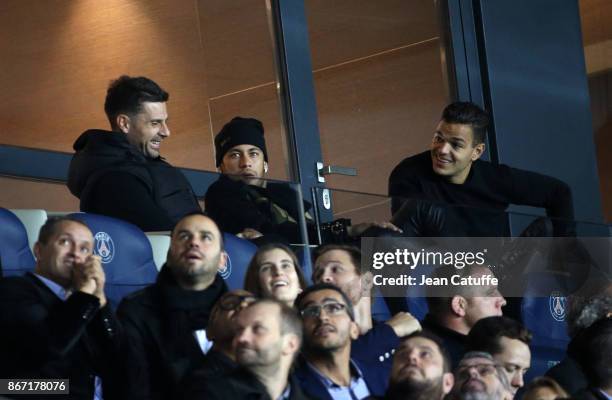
{"x": 323, "y": 170}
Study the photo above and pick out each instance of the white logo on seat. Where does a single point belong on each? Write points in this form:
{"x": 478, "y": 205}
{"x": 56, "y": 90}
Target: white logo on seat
{"x": 226, "y": 271}
{"x": 104, "y": 247}
{"x": 557, "y": 305}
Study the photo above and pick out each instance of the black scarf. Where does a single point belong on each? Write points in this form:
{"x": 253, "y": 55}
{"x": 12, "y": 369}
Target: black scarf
{"x": 188, "y": 309}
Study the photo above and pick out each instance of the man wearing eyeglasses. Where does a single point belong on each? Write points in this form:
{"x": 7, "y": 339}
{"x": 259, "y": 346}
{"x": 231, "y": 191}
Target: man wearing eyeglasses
{"x": 327, "y": 370}
{"x": 478, "y": 377}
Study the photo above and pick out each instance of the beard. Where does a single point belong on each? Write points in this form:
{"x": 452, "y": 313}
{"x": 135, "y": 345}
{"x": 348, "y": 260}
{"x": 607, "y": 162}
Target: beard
{"x": 429, "y": 389}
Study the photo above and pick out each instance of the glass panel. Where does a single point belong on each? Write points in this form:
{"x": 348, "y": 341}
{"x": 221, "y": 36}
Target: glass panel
{"x": 214, "y": 57}
{"x": 380, "y": 84}
{"x": 267, "y": 213}
{"x": 596, "y": 18}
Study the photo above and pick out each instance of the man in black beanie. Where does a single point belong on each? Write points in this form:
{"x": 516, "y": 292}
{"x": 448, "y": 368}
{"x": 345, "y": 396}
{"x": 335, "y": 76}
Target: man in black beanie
{"x": 242, "y": 202}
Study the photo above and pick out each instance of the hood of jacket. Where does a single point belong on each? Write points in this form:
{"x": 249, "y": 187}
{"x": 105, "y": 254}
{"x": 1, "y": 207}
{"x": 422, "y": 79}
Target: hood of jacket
{"x": 97, "y": 151}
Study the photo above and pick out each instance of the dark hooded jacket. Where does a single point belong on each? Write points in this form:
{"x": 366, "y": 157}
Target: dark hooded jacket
{"x": 112, "y": 177}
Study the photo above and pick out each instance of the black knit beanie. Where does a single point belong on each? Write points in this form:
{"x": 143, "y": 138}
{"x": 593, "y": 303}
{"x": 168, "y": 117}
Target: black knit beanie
{"x": 240, "y": 131}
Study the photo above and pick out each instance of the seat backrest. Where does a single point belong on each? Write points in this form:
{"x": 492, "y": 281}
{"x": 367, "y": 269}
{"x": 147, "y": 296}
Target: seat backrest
{"x": 160, "y": 243}
{"x": 544, "y": 315}
{"x": 33, "y": 220}
{"x": 239, "y": 253}
{"x": 126, "y": 255}
{"x": 15, "y": 255}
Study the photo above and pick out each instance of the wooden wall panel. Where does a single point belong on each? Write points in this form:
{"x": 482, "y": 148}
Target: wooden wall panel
{"x": 377, "y": 111}
{"x": 237, "y": 40}
{"x": 21, "y": 193}
{"x": 344, "y": 30}
{"x": 64, "y": 53}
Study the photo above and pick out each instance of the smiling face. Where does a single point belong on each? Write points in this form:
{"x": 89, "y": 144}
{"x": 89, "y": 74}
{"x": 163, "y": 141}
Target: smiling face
{"x": 244, "y": 163}
{"x": 278, "y": 278}
{"x": 195, "y": 251}
{"x": 147, "y": 129}
{"x": 453, "y": 151}
{"x": 71, "y": 243}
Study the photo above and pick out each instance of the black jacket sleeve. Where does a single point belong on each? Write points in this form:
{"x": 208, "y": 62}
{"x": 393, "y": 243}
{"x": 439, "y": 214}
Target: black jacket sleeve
{"x": 122, "y": 195}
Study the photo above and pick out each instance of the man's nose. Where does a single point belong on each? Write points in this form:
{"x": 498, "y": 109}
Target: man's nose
{"x": 444, "y": 147}
{"x": 245, "y": 161}
{"x": 326, "y": 277}
{"x": 165, "y": 130}
{"x": 517, "y": 381}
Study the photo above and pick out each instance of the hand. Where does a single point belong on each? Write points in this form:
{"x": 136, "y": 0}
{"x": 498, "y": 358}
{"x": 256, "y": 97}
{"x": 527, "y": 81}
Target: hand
{"x": 404, "y": 324}
{"x": 249, "y": 233}
{"x": 358, "y": 229}
{"x": 88, "y": 277}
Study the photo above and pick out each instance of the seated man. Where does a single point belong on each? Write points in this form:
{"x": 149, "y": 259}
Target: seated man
{"x": 220, "y": 358}
{"x": 56, "y": 322}
{"x": 582, "y": 312}
{"x": 421, "y": 369}
{"x": 596, "y": 361}
{"x": 508, "y": 342}
{"x": 120, "y": 173}
{"x": 166, "y": 322}
{"x": 327, "y": 370}
{"x": 453, "y": 310}
{"x": 340, "y": 265}
{"x": 243, "y": 203}
{"x": 268, "y": 335}
{"x": 452, "y": 173}
{"x": 478, "y": 377}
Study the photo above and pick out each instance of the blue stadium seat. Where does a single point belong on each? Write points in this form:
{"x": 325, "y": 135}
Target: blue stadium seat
{"x": 126, "y": 255}
{"x": 545, "y": 318}
{"x": 15, "y": 255}
{"x": 239, "y": 253}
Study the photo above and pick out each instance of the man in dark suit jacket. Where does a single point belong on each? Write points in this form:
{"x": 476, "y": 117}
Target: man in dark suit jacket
{"x": 327, "y": 370}
{"x": 56, "y": 322}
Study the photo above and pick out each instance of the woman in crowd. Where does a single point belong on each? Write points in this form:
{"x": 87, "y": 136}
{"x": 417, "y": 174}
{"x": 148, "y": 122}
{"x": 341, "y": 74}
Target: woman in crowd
{"x": 544, "y": 388}
{"x": 275, "y": 272}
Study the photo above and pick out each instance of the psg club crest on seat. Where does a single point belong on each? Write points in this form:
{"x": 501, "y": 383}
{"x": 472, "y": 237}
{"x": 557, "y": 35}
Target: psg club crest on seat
{"x": 226, "y": 271}
{"x": 104, "y": 247}
{"x": 557, "y": 305}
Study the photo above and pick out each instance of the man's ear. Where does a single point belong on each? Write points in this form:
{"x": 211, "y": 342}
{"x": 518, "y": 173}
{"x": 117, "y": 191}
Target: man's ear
{"x": 291, "y": 344}
{"x": 459, "y": 305}
{"x": 265, "y": 167}
{"x": 448, "y": 380}
{"x": 478, "y": 151}
{"x": 354, "y": 330}
{"x": 123, "y": 122}
{"x": 37, "y": 250}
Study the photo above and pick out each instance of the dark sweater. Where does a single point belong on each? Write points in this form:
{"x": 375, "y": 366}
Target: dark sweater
{"x": 487, "y": 192}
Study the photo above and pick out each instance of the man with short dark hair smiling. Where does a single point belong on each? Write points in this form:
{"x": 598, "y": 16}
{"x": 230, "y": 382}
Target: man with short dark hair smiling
{"x": 477, "y": 192}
